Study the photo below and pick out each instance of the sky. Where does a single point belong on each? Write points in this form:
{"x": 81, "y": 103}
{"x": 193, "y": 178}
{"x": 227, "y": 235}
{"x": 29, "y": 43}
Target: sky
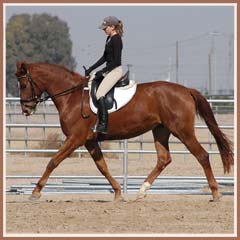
{"x": 204, "y": 34}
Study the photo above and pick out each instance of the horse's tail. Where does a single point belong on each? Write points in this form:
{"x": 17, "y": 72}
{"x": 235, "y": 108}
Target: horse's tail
{"x": 225, "y": 146}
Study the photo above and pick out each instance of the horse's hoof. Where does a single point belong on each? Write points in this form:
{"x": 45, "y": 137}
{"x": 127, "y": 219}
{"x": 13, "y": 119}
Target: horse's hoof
{"x": 216, "y": 198}
{"x": 119, "y": 199}
{"x": 140, "y": 196}
{"x": 35, "y": 196}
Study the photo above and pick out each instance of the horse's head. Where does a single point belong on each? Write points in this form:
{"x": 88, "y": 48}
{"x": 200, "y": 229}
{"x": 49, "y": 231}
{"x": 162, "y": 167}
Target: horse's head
{"x": 30, "y": 91}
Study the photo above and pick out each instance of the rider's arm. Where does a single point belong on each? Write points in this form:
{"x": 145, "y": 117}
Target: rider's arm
{"x": 98, "y": 63}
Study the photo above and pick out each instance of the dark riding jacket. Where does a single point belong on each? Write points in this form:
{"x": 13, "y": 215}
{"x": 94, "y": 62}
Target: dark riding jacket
{"x": 112, "y": 54}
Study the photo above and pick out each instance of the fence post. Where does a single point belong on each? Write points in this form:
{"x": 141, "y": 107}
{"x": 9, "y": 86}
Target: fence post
{"x": 125, "y": 166}
{"x": 141, "y": 147}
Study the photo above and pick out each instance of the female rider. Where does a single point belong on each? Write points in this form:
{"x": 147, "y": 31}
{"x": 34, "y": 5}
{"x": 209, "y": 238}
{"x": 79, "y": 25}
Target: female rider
{"x": 112, "y": 72}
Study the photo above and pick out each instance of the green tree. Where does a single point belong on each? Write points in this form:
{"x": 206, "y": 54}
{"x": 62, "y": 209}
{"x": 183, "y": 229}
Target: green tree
{"x": 36, "y": 38}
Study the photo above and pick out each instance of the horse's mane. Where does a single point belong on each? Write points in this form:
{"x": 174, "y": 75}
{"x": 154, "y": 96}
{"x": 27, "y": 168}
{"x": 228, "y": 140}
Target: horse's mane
{"x": 59, "y": 66}
{"x": 74, "y": 74}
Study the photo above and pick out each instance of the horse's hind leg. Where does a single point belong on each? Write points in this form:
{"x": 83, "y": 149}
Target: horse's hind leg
{"x": 161, "y": 137}
{"x": 96, "y": 153}
{"x": 203, "y": 157}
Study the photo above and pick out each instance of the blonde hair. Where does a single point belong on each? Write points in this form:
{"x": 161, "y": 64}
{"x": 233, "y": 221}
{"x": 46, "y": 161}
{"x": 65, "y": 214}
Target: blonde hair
{"x": 119, "y": 28}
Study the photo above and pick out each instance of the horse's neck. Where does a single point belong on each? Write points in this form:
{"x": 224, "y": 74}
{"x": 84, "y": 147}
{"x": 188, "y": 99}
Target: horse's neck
{"x": 57, "y": 84}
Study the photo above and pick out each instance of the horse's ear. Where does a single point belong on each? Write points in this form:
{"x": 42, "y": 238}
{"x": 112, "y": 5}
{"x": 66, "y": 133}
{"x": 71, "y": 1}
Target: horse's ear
{"x": 22, "y": 66}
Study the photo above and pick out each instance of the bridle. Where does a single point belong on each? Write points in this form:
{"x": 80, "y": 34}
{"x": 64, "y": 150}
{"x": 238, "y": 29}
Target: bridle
{"x": 36, "y": 100}
{"x": 34, "y": 97}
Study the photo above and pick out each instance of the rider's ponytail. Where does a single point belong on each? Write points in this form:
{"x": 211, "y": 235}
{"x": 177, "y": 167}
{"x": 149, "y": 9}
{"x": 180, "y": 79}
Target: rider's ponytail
{"x": 119, "y": 28}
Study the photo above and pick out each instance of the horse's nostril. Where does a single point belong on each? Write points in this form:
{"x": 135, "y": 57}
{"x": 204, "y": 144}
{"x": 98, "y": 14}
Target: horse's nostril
{"x": 26, "y": 112}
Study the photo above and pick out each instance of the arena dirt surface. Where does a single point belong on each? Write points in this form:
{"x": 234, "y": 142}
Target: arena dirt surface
{"x": 156, "y": 214}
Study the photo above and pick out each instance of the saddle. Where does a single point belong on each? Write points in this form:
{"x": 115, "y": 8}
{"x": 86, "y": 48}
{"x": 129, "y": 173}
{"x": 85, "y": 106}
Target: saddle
{"x": 117, "y": 97}
{"x": 109, "y": 98}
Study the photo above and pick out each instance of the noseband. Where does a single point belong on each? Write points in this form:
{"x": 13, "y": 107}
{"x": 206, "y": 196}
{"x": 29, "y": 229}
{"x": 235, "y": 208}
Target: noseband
{"x": 34, "y": 97}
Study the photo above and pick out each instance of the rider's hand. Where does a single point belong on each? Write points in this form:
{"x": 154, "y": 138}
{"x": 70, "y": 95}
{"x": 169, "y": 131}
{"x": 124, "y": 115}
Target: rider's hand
{"x": 88, "y": 71}
{"x": 99, "y": 74}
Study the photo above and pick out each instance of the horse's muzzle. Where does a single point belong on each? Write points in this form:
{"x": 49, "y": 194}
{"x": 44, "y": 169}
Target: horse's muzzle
{"x": 28, "y": 110}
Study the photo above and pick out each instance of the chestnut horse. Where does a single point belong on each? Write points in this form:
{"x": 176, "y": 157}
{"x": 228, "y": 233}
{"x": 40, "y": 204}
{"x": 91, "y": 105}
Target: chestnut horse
{"x": 162, "y": 107}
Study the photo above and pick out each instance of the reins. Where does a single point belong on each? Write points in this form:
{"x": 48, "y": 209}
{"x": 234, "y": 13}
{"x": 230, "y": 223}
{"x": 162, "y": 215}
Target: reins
{"x": 66, "y": 92}
{"x": 37, "y": 100}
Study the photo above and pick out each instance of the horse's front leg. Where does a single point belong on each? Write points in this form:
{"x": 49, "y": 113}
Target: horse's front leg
{"x": 96, "y": 153}
{"x": 70, "y": 144}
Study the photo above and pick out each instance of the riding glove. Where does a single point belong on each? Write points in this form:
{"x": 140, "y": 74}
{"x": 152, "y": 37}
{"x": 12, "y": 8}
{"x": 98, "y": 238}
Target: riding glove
{"x": 99, "y": 74}
{"x": 88, "y": 71}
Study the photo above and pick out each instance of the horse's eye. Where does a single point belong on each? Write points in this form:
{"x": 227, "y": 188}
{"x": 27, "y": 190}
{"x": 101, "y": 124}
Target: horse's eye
{"x": 22, "y": 86}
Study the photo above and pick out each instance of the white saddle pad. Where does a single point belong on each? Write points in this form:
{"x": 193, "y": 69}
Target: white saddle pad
{"x": 122, "y": 95}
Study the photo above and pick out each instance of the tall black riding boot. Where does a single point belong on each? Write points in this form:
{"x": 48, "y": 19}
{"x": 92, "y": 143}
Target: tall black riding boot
{"x": 102, "y": 116}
